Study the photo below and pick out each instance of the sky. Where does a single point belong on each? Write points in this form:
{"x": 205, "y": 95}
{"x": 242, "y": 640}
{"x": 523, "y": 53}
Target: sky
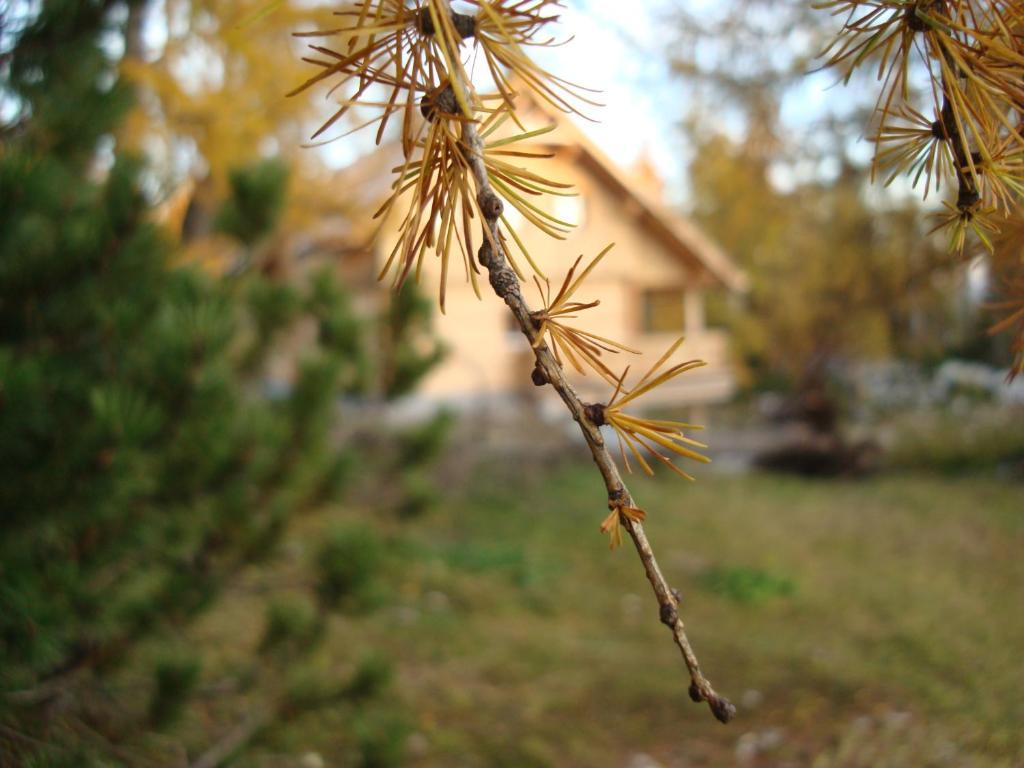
{"x": 626, "y": 56}
{"x": 641, "y": 113}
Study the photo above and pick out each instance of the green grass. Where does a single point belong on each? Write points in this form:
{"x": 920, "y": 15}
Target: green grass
{"x": 825, "y": 610}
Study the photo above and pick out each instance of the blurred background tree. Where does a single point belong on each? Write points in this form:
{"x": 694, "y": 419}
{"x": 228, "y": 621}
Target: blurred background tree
{"x": 837, "y": 277}
{"x": 842, "y": 269}
{"x": 199, "y": 66}
{"x": 144, "y": 464}
{"x": 210, "y": 78}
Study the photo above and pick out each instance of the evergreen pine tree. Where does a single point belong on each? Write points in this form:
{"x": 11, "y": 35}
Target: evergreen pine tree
{"x": 141, "y": 463}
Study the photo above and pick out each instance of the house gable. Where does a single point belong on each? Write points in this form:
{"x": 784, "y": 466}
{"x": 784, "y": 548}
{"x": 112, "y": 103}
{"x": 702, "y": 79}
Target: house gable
{"x": 680, "y": 237}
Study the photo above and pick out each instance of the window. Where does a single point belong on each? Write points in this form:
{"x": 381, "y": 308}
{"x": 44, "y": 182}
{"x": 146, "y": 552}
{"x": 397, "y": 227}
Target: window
{"x": 663, "y": 311}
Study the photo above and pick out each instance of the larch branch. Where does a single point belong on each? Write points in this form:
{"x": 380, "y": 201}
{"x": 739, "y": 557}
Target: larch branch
{"x": 506, "y": 285}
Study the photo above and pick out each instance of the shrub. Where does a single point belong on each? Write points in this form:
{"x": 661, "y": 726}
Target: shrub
{"x": 290, "y": 621}
{"x": 347, "y": 564}
{"x": 954, "y": 445}
{"x": 175, "y": 676}
{"x": 371, "y": 678}
{"x": 381, "y": 740}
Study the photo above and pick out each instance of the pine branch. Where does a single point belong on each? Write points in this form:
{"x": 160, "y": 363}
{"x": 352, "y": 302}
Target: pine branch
{"x": 507, "y": 287}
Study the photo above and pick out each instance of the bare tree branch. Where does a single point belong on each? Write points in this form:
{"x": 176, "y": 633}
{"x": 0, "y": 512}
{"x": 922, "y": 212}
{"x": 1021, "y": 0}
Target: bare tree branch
{"x": 233, "y": 740}
{"x": 506, "y": 285}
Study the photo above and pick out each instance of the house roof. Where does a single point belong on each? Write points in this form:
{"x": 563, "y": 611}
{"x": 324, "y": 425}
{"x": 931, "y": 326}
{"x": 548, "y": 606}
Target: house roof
{"x": 681, "y": 236}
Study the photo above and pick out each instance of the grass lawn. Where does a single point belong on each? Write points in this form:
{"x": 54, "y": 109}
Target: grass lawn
{"x": 874, "y": 623}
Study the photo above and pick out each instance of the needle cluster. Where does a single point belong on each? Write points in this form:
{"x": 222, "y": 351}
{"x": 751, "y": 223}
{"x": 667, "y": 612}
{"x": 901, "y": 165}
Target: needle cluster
{"x": 950, "y": 109}
{"x": 581, "y": 348}
{"x": 402, "y": 61}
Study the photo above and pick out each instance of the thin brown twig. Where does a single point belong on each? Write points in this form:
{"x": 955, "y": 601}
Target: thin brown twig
{"x": 506, "y": 285}
{"x": 233, "y": 740}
